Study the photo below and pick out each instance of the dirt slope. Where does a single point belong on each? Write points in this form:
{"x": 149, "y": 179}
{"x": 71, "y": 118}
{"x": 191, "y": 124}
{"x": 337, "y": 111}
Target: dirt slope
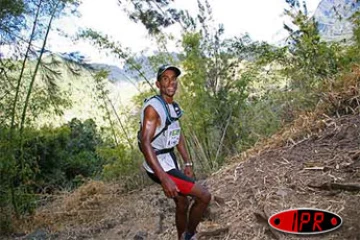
{"x": 283, "y": 177}
{"x": 278, "y": 177}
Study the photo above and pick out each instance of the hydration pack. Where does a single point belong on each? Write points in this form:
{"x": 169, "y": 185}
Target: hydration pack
{"x": 169, "y": 120}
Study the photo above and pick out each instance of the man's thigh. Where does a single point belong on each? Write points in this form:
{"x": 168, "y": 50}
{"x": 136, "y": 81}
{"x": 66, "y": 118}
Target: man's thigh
{"x": 184, "y": 183}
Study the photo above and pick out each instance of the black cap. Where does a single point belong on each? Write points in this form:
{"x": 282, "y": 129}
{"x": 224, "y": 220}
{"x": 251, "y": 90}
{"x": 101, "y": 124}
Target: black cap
{"x": 163, "y": 68}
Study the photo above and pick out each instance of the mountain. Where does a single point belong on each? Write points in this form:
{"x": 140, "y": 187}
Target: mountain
{"x": 83, "y": 93}
{"x": 333, "y": 17}
{"x": 127, "y": 72}
{"x": 115, "y": 73}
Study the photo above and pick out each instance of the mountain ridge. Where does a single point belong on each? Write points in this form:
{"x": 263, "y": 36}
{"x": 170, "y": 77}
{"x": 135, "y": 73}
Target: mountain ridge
{"x": 333, "y": 18}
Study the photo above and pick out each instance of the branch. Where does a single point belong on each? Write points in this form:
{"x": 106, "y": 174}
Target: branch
{"x": 223, "y": 136}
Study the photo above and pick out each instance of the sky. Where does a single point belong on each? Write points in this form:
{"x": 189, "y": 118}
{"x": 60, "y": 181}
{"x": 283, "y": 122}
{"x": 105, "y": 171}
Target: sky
{"x": 262, "y": 19}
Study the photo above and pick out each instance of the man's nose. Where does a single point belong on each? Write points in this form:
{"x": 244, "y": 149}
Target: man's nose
{"x": 173, "y": 82}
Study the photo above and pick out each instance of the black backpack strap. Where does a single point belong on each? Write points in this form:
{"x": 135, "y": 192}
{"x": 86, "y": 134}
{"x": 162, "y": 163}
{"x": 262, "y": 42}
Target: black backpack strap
{"x": 168, "y": 120}
{"x": 162, "y": 130}
{"x": 163, "y": 151}
{"x": 165, "y": 106}
{"x": 177, "y": 109}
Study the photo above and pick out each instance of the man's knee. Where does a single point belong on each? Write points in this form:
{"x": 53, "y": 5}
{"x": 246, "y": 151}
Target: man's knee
{"x": 206, "y": 197}
{"x": 201, "y": 194}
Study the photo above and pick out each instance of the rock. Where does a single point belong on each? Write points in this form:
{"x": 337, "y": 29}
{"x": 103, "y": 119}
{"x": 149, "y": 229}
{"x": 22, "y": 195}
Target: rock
{"x": 281, "y": 193}
{"x": 39, "y": 234}
{"x": 109, "y": 224}
{"x": 219, "y": 200}
{"x": 141, "y": 235}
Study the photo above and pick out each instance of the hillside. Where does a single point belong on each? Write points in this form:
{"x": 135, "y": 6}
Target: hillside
{"x": 82, "y": 92}
{"x": 314, "y": 162}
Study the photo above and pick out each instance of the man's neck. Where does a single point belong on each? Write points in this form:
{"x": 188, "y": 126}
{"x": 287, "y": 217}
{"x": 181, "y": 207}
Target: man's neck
{"x": 167, "y": 98}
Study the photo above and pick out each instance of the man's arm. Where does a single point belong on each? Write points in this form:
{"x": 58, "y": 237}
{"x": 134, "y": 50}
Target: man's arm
{"x": 151, "y": 121}
{"x": 181, "y": 147}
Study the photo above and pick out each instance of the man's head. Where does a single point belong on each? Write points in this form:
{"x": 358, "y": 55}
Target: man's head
{"x": 167, "y": 79}
{"x": 165, "y": 67}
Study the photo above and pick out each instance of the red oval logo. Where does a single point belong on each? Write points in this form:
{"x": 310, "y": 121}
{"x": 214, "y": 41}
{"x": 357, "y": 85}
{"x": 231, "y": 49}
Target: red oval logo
{"x": 305, "y": 221}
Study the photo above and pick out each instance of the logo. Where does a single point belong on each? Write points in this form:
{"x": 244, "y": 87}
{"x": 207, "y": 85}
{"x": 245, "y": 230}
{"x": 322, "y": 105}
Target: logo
{"x": 305, "y": 221}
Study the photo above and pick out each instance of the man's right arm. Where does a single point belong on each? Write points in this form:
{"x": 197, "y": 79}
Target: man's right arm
{"x": 151, "y": 121}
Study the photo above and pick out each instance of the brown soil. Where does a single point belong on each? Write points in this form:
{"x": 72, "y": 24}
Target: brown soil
{"x": 276, "y": 177}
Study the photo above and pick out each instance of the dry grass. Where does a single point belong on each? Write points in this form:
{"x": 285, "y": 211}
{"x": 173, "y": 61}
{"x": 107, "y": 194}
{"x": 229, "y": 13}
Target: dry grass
{"x": 85, "y": 205}
{"x": 277, "y": 179}
{"x": 338, "y": 98}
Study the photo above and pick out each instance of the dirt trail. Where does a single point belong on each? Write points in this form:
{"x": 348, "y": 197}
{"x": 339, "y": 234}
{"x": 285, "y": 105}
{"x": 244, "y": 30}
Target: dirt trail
{"x": 247, "y": 192}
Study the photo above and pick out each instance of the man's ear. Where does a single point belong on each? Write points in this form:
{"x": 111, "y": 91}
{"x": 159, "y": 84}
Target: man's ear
{"x": 157, "y": 83}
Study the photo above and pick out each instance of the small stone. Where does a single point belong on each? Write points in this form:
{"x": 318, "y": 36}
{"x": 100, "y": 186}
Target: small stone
{"x": 141, "y": 235}
{"x": 39, "y": 234}
{"x": 281, "y": 193}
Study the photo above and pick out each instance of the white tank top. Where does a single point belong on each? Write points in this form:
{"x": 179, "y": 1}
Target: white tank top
{"x": 168, "y": 139}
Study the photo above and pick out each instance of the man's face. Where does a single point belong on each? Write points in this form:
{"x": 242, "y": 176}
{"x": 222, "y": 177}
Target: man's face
{"x": 167, "y": 83}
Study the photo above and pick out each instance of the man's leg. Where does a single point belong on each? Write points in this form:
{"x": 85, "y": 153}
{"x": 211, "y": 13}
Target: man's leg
{"x": 202, "y": 200}
{"x": 182, "y": 205}
{"x": 187, "y": 186}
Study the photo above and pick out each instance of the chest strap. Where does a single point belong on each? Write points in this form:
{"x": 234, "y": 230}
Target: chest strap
{"x": 163, "y": 151}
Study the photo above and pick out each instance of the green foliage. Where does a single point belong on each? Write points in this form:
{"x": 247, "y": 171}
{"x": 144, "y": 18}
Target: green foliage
{"x": 228, "y": 109}
{"x": 154, "y": 15}
{"x": 352, "y": 50}
{"x": 122, "y": 165}
{"x": 310, "y": 60}
{"x": 11, "y": 19}
{"x": 10, "y": 8}
{"x": 211, "y": 93}
{"x": 57, "y": 156}
{"x": 54, "y": 159}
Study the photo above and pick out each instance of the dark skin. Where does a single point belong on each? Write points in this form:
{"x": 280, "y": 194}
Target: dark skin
{"x": 167, "y": 85}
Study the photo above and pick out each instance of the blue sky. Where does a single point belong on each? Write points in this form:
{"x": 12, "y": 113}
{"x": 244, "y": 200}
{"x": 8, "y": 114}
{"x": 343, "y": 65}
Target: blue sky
{"x": 262, "y": 19}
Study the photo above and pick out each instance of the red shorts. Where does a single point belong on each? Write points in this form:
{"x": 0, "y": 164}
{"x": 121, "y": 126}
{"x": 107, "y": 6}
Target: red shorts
{"x": 183, "y": 182}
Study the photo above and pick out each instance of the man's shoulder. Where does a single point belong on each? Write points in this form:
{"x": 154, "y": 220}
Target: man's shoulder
{"x": 154, "y": 100}
{"x": 155, "y": 104}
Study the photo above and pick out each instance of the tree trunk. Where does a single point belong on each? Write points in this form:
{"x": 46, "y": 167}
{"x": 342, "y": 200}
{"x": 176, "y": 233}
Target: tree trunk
{"x": 23, "y": 116}
{"x": 121, "y": 124}
{"x": 13, "y": 112}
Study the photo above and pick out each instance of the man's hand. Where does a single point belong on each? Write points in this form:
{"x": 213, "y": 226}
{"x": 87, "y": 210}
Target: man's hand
{"x": 169, "y": 187}
{"x": 188, "y": 171}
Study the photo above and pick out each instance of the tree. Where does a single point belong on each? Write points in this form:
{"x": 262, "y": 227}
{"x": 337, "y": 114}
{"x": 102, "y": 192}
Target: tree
{"x": 21, "y": 93}
{"x": 11, "y": 18}
{"x": 155, "y": 15}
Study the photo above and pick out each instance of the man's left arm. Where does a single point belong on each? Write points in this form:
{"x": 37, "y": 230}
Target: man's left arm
{"x": 181, "y": 147}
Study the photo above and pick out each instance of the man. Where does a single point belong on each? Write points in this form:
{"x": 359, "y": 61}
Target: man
{"x": 160, "y": 161}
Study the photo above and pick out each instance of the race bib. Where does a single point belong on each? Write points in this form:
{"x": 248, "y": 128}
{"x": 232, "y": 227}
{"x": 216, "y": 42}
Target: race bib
{"x": 173, "y": 137}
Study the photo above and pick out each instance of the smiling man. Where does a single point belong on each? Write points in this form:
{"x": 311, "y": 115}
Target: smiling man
{"x": 160, "y": 135}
